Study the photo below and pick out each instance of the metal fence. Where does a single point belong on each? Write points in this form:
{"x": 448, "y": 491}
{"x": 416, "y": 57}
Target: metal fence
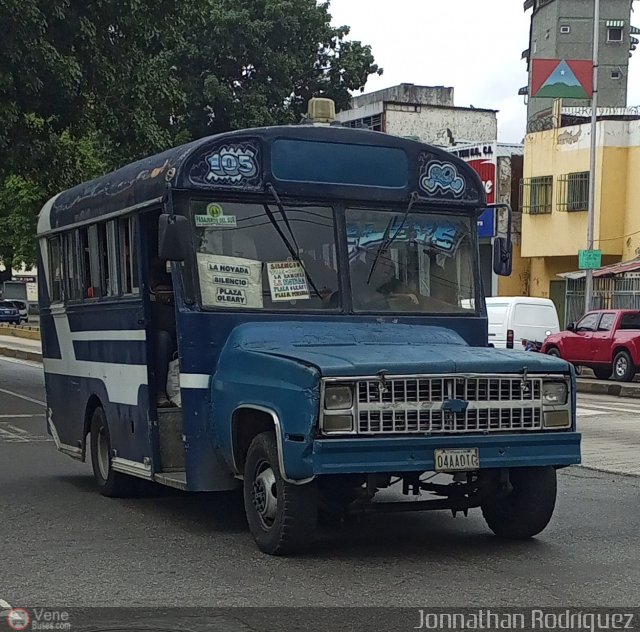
{"x": 608, "y": 293}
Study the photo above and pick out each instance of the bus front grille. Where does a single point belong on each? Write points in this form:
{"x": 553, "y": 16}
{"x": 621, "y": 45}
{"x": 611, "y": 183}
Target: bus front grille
{"x": 449, "y": 405}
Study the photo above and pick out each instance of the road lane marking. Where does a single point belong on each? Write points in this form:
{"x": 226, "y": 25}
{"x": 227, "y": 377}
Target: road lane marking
{"x": 4, "y": 604}
{"x": 586, "y": 412}
{"x": 19, "y": 396}
{"x": 22, "y": 416}
{"x": 608, "y": 409}
{"x": 11, "y": 434}
{"x": 31, "y": 363}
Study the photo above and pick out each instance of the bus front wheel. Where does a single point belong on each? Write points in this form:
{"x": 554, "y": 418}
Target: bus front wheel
{"x": 526, "y": 509}
{"x": 110, "y": 483}
{"x": 282, "y": 517}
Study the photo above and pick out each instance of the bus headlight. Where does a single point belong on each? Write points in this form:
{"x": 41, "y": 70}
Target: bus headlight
{"x": 554, "y": 393}
{"x": 338, "y": 397}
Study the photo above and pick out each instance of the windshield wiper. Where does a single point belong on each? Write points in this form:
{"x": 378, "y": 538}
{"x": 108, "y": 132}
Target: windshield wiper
{"x": 293, "y": 250}
{"x": 386, "y": 240}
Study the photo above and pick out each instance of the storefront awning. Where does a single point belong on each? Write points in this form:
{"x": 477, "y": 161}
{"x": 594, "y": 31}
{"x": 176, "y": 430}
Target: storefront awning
{"x": 610, "y": 270}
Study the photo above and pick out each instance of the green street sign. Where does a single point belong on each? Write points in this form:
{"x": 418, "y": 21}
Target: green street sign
{"x": 589, "y": 259}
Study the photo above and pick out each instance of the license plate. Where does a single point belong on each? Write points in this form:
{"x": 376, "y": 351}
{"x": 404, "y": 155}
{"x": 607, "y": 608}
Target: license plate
{"x": 457, "y": 460}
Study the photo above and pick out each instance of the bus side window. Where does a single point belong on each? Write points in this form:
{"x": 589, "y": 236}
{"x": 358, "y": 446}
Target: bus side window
{"x": 55, "y": 269}
{"x": 129, "y": 283}
{"x": 73, "y": 265}
{"x": 107, "y": 258}
{"x": 94, "y": 289}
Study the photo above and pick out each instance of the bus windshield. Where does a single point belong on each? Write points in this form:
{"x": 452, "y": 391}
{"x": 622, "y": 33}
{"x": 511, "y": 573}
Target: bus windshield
{"x": 415, "y": 262}
{"x": 257, "y": 256}
{"x": 250, "y": 256}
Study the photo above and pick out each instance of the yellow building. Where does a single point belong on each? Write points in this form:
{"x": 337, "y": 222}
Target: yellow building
{"x": 555, "y": 194}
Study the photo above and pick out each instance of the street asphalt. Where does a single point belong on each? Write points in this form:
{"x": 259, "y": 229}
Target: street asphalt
{"x": 63, "y": 544}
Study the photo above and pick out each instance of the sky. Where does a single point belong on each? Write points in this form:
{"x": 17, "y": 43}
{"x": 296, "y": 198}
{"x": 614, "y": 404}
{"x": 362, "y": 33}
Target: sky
{"x": 473, "y": 45}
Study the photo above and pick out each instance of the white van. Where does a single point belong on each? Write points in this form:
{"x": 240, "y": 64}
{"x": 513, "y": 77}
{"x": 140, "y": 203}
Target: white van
{"x": 516, "y": 318}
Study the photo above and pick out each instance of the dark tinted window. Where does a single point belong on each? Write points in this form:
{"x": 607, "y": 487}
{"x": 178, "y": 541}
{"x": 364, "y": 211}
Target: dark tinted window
{"x": 337, "y": 163}
{"x": 630, "y": 321}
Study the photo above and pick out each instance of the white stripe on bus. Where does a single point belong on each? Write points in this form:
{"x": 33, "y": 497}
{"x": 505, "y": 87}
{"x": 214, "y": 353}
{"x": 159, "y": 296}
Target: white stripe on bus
{"x": 194, "y": 380}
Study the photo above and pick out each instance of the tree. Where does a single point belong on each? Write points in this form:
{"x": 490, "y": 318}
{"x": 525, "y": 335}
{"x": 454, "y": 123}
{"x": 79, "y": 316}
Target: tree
{"x": 89, "y": 85}
{"x": 258, "y": 62}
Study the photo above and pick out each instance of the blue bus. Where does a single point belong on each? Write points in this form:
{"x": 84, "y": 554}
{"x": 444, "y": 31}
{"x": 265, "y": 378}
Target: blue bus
{"x": 296, "y": 311}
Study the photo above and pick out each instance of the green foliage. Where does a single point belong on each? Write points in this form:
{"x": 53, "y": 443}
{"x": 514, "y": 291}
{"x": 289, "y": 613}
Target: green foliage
{"x": 89, "y": 85}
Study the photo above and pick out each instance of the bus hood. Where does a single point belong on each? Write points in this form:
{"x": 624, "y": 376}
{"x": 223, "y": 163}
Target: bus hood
{"x": 344, "y": 349}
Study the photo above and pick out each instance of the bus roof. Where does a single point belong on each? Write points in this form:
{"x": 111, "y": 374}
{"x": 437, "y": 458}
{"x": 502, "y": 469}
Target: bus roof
{"x": 309, "y": 161}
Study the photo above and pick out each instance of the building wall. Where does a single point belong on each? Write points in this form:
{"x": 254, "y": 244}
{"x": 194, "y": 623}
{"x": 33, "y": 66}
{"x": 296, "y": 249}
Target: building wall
{"x": 407, "y": 93}
{"x": 440, "y": 125}
{"x": 552, "y": 241}
{"x": 631, "y": 243}
{"x": 548, "y": 42}
{"x": 518, "y": 283}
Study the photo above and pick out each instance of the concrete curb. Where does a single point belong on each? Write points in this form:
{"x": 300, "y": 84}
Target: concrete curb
{"x": 606, "y": 470}
{"x": 21, "y": 355}
{"x": 614, "y": 389}
{"x": 20, "y": 331}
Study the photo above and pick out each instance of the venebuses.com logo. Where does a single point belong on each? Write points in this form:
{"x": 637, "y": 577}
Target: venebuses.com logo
{"x": 18, "y": 619}
{"x": 37, "y": 619}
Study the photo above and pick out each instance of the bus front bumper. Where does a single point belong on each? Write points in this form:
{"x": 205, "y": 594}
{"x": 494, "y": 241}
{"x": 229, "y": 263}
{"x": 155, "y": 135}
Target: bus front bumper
{"x": 416, "y": 454}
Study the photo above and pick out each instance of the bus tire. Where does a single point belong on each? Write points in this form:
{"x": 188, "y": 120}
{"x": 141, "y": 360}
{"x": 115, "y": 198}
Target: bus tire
{"x": 282, "y": 517}
{"x": 110, "y": 483}
{"x": 527, "y": 509}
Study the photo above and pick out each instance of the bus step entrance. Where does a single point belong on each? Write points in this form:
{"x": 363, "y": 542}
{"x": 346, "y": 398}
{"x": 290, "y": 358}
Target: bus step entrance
{"x": 171, "y": 443}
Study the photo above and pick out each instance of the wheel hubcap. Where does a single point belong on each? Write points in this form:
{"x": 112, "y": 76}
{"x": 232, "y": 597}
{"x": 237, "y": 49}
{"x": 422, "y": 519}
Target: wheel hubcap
{"x": 621, "y": 366}
{"x": 103, "y": 454}
{"x": 265, "y": 499}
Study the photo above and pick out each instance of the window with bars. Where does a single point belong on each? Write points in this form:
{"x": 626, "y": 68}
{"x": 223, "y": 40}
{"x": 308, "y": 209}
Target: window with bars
{"x": 373, "y": 123}
{"x": 536, "y": 195}
{"x": 573, "y": 191}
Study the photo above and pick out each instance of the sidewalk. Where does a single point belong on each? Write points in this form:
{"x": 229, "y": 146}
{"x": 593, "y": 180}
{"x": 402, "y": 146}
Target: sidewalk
{"x": 22, "y": 348}
{"x": 608, "y": 387}
{"x": 610, "y": 434}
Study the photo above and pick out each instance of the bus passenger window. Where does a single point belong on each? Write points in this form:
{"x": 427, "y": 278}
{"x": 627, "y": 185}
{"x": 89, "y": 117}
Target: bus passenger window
{"x": 85, "y": 263}
{"x": 94, "y": 289}
{"x": 129, "y": 283}
{"x": 72, "y": 266}
{"x": 55, "y": 270}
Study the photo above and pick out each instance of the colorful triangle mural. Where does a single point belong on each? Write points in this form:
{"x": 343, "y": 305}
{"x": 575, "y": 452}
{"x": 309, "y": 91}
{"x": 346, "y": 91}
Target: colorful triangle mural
{"x": 560, "y": 78}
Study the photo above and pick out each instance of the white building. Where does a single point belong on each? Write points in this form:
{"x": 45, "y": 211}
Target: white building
{"x": 425, "y": 113}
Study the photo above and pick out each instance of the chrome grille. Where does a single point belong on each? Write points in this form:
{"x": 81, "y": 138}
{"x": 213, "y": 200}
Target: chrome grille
{"x": 419, "y": 405}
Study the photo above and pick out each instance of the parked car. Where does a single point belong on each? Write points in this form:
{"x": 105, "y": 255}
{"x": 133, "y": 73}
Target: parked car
{"x": 23, "y": 309}
{"x": 513, "y": 319}
{"x": 9, "y": 313}
{"x": 606, "y": 341}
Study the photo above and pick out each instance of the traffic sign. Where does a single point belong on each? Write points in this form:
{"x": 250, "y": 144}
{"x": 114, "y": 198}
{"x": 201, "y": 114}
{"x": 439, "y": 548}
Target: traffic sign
{"x": 589, "y": 259}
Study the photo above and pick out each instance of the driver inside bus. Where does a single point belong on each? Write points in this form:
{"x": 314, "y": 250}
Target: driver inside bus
{"x": 373, "y": 288}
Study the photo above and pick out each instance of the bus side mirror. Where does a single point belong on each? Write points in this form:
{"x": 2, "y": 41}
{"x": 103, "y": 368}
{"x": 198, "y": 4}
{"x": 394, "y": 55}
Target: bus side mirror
{"x": 502, "y": 256}
{"x": 173, "y": 237}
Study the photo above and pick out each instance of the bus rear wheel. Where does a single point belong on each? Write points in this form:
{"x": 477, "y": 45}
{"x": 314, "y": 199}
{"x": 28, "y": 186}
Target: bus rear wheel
{"x": 526, "y": 510}
{"x": 110, "y": 483}
{"x": 282, "y": 517}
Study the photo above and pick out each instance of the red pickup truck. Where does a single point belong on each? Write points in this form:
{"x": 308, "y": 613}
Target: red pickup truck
{"x": 606, "y": 341}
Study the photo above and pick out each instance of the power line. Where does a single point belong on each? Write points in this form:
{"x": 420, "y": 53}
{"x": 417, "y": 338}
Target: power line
{"x": 621, "y": 237}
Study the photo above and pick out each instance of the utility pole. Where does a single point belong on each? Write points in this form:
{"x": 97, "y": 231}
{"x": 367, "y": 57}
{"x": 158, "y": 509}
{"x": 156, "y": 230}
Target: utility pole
{"x": 588, "y": 287}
